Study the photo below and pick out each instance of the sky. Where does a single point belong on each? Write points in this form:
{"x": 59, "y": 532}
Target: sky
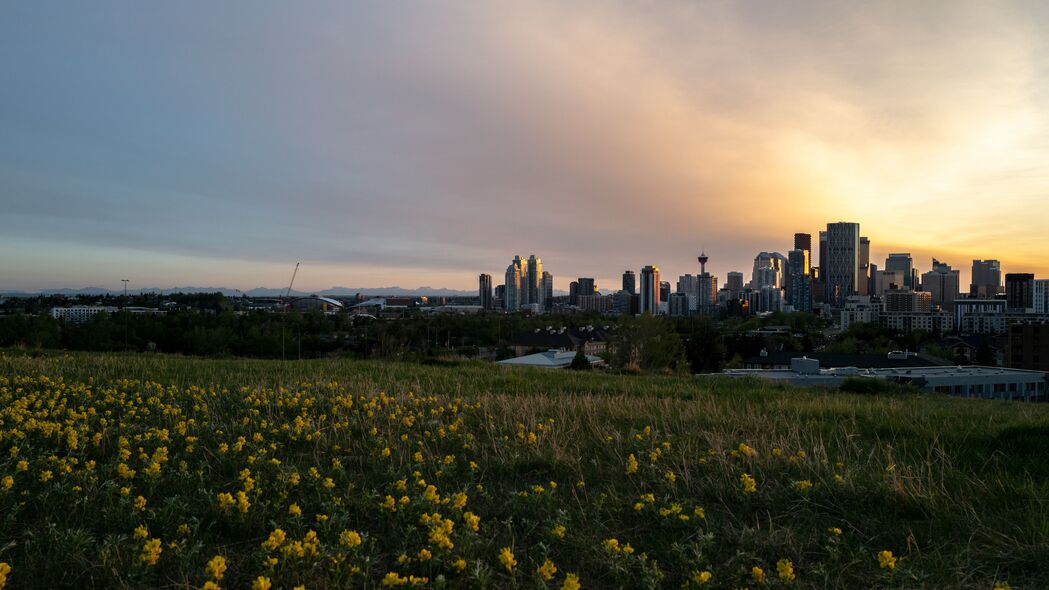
{"x": 421, "y": 143}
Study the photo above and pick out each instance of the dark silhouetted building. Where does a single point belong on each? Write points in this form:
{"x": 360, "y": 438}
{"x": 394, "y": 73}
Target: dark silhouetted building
{"x": 986, "y": 279}
{"x": 1019, "y": 291}
{"x": 485, "y": 291}
{"x": 1029, "y": 346}
{"x": 842, "y": 272}
{"x": 630, "y": 282}
{"x": 650, "y": 289}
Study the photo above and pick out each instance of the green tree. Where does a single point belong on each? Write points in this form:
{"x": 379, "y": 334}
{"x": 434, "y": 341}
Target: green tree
{"x": 647, "y": 343}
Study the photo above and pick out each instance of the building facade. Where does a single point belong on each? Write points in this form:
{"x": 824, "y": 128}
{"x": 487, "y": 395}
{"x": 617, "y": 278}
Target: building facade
{"x": 842, "y": 271}
{"x": 943, "y": 282}
{"x": 986, "y": 279}
{"x": 484, "y": 293}
{"x": 650, "y": 289}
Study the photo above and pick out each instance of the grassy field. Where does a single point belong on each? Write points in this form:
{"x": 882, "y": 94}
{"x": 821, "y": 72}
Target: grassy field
{"x": 152, "y": 471}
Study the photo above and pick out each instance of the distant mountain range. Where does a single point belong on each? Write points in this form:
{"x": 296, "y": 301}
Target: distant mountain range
{"x": 258, "y": 292}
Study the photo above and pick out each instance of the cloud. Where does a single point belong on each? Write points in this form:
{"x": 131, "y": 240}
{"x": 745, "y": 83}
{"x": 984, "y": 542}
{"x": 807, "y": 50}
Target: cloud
{"x": 394, "y": 141}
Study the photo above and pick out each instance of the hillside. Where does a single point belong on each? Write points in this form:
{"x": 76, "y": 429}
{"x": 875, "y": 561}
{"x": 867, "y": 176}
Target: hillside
{"x": 141, "y": 471}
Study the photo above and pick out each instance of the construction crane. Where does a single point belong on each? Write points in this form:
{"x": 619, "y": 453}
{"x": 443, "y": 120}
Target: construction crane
{"x": 288, "y": 291}
{"x": 284, "y": 308}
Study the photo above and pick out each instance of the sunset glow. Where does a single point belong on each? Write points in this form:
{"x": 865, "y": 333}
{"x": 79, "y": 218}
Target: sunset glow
{"x": 148, "y": 142}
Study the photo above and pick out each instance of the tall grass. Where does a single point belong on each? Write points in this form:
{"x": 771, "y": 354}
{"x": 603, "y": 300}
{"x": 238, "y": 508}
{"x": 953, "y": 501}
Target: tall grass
{"x": 959, "y": 488}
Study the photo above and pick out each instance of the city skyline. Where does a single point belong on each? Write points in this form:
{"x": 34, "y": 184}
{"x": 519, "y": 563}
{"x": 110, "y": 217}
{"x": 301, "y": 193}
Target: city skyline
{"x": 386, "y": 145}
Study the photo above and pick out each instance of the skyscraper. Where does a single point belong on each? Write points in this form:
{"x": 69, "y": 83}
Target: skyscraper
{"x": 843, "y": 262}
{"x": 629, "y": 282}
{"x": 664, "y": 292}
{"x": 533, "y": 275}
{"x": 688, "y": 286}
{"x": 863, "y": 286}
{"x": 823, "y": 252}
{"x": 706, "y": 287}
{"x": 986, "y": 279}
{"x": 1019, "y": 291}
{"x": 485, "y": 290}
{"x": 586, "y": 286}
{"x": 513, "y": 288}
{"x": 903, "y": 265}
{"x": 804, "y": 242}
{"x": 734, "y": 283}
{"x": 547, "y": 290}
{"x": 942, "y": 282}
{"x": 650, "y": 289}
{"x": 768, "y": 270}
{"x": 799, "y": 281}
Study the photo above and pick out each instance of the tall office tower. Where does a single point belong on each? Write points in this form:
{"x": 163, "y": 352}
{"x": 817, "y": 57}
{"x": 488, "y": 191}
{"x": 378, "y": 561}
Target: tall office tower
{"x": 823, "y": 250}
{"x": 533, "y": 275}
{"x": 573, "y": 293}
{"x": 587, "y": 286}
{"x": 885, "y": 280}
{"x": 688, "y": 285}
{"x": 768, "y": 270}
{"x": 678, "y": 304}
{"x": 734, "y": 283}
{"x": 547, "y": 284}
{"x": 942, "y": 282}
{"x": 986, "y": 280}
{"x": 650, "y": 289}
{"x": 863, "y": 280}
{"x": 1040, "y": 299}
{"x": 799, "y": 281}
{"x": 706, "y": 287}
{"x": 804, "y": 242}
{"x": 1019, "y": 291}
{"x": 664, "y": 292}
{"x": 904, "y": 265}
{"x": 842, "y": 273}
{"x": 485, "y": 290}
{"x": 512, "y": 301}
{"x": 629, "y": 282}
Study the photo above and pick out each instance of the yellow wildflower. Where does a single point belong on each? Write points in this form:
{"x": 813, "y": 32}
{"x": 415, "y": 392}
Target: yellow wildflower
{"x": 571, "y": 582}
{"x": 631, "y": 464}
{"x": 701, "y": 577}
{"x": 758, "y": 574}
{"x": 749, "y": 484}
{"x": 216, "y": 567}
{"x": 506, "y": 557}
{"x": 349, "y": 539}
{"x": 558, "y": 531}
{"x": 276, "y": 539}
{"x": 785, "y": 570}
{"x": 139, "y": 504}
{"x": 150, "y": 552}
{"x": 261, "y": 583}
{"x": 294, "y": 510}
{"x": 547, "y": 570}
{"x": 886, "y": 560}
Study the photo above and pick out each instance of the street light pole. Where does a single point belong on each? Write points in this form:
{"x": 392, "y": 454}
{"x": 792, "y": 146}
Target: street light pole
{"x": 125, "y": 313}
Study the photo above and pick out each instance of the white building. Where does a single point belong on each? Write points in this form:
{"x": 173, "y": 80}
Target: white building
{"x": 909, "y": 321}
{"x": 551, "y": 359}
{"x": 859, "y": 309}
{"x": 79, "y": 314}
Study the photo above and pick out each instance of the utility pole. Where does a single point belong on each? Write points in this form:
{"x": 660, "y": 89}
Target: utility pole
{"x": 125, "y": 313}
